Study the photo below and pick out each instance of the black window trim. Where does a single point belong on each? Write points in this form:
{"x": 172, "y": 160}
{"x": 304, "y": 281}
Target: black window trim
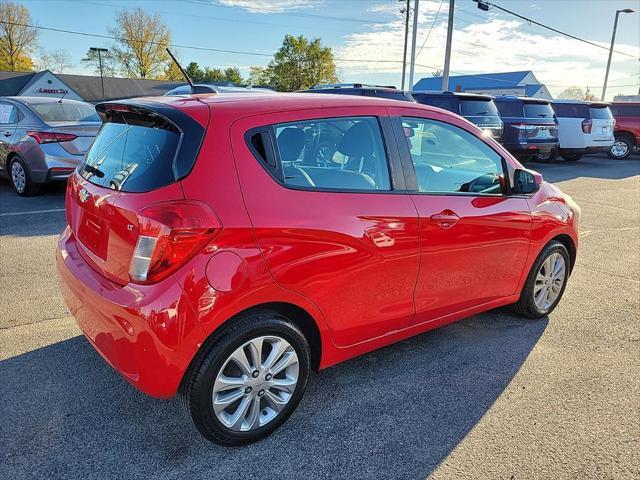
{"x": 411, "y": 179}
{"x": 393, "y": 157}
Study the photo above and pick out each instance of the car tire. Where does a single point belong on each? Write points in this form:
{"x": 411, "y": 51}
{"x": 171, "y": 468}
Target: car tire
{"x": 571, "y": 157}
{"x": 548, "y": 157}
{"x": 20, "y": 179}
{"x": 216, "y": 377}
{"x": 533, "y": 302}
{"x": 621, "y": 148}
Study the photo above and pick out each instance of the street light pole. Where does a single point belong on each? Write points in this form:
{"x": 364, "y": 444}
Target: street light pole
{"x": 99, "y": 51}
{"x": 413, "y": 44}
{"x": 613, "y": 40}
{"x": 447, "y": 55}
{"x": 406, "y": 40}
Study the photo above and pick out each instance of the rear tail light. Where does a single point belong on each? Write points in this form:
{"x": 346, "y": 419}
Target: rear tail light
{"x": 170, "y": 234}
{"x": 51, "y": 137}
{"x": 586, "y": 125}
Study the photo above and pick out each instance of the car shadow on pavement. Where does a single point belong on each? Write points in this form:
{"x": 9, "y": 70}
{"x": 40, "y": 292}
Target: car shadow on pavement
{"x": 588, "y": 167}
{"x": 394, "y": 413}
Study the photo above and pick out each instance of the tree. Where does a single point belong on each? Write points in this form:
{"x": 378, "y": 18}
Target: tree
{"x": 259, "y": 76}
{"x": 194, "y": 71}
{"x": 573, "y": 93}
{"x": 108, "y": 63}
{"x": 232, "y": 74}
{"x": 141, "y": 42}
{"x": 437, "y": 73}
{"x": 55, "y": 60}
{"x": 17, "y": 39}
{"x": 299, "y": 64}
{"x": 208, "y": 75}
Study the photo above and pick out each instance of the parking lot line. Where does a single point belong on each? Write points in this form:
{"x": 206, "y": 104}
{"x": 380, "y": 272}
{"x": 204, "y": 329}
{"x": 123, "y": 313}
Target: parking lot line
{"x": 11, "y": 214}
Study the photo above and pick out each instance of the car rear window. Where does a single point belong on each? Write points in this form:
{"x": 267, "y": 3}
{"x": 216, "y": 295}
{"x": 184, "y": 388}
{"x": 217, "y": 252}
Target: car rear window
{"x": 66, "y": 112}
{"x": 473, "y": 108}
{"x": 625, "y": 110}
{"x": 509, "y": 109}
{"x": 538, "y": 110}
{"x": 600, "y": 113}
{"x": 446, "y": 103}
{"x": 571, "y": 110}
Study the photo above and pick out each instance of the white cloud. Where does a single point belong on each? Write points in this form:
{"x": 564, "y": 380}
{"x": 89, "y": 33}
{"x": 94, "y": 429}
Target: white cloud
{"x": 270, "y": 6}
{"x": 496, "y": 45}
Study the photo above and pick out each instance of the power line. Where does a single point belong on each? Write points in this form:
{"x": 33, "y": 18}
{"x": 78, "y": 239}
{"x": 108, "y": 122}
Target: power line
{"x": 435, "y": 19}
{"x": 531, "y": 21}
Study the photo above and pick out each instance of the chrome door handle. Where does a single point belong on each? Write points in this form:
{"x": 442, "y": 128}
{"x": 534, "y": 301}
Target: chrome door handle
{"x": 446, "y": 219}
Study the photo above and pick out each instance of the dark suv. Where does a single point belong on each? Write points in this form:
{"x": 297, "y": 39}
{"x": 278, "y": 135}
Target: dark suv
{"x": 380, "y": 91}
{"x": 478, "y": 109}
{"x": 530, "y": 125}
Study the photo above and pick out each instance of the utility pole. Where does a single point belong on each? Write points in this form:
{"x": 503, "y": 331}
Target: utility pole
{"x": 99, "y": 51}
{"x": 447, "y": 55}
{"x": 613, "y": 40}
{"x": 406, "y": 40}
{"x": 413, "y": 44}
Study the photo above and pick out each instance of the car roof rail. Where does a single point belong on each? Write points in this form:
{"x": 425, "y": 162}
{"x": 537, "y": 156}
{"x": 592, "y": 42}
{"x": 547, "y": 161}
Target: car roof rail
{"x": 350, "y": 85}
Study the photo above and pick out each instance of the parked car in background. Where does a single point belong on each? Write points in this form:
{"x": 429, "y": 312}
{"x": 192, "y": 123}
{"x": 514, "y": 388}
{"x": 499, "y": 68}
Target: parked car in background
{"x": 208, "y": 88}
{"x": 363, "y": 89}
{"x": 227, "y": 281}
{"x": 530, "y": 126}
{"x": 583, "y": 127}
{"x": 627, "y": 129}
{"x": 43, "y": 139}
{"x": 478, "y": 109}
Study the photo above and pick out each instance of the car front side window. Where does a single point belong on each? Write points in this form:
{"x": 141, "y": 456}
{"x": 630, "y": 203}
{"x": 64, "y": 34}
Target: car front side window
{"x": 448, "y": 159}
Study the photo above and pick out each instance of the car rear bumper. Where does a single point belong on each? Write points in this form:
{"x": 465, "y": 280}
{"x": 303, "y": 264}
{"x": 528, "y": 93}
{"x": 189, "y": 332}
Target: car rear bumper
{"x": 50, "y": 162}
{"x": 149, "y": 334}
{"x": 585, "y": 150}
{"x": 530, "y": 148}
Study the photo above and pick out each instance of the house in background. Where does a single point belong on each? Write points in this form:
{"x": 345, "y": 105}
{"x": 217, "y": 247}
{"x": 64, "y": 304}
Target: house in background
{"x": 79, "y": 87}
{"x": 522, "y": 84}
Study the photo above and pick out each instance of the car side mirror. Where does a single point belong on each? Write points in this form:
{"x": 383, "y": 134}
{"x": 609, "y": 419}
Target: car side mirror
{"x": 526, "y": 181}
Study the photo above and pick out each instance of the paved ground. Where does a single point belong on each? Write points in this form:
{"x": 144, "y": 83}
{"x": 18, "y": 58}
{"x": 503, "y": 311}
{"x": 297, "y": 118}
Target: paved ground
{"x": 489, "y": 397}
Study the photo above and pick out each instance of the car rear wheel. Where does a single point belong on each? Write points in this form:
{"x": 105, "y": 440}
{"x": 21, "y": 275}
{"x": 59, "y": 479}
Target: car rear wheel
{"x": 621, "y": 148}
{"x": 248, "y": 380}
{"x": 547, "y": 157}
{"x": 571, "y": 157}
{"x": 20, "y": 179}
{"x": 546, "y": 282}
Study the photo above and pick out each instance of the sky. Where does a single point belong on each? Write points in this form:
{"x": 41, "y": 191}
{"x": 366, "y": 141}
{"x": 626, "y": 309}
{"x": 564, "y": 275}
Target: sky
{"x": 367, "y": 36}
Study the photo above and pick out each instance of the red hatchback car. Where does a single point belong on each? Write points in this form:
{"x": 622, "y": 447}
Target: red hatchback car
{"x": 222, "y": 246}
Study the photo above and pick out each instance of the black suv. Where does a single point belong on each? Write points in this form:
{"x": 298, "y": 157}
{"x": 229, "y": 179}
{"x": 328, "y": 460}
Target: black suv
{"x": 478, "y": 109}
{"x": 363, "y": 89}
{"x": 530, "y": 126}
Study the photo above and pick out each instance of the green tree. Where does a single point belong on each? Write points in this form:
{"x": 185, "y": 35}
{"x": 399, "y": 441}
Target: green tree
{"x": 299, "y": 64}
{"x": 141, "y": 43}
{"x": 259, "y": 76}
{"x": 232, "y": 74}
{"x": 108, "y": 62}
{"x": 17, "y": 40}
{"x": 194, "y": 71}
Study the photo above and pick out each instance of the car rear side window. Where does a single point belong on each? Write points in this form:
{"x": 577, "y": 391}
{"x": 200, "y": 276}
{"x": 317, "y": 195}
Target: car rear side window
{"x": 446, "y": 103}
{"x": 538, "y": 110}
{"x": 510, "y": 109}
{"x": 571, "y": 110}
{"x": 600, "y": 113}
{"x": 345, "y": 154}
{"x": 448, "y": 159}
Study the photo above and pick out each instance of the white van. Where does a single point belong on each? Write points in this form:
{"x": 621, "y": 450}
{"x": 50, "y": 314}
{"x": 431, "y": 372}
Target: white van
{"x": 583, "y": 127}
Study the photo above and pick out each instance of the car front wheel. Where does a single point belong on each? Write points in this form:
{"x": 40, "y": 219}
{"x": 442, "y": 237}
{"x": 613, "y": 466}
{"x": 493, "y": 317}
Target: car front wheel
{"x": 546, "y": 282}
{"x": 547, "y": 157}
{"x": 248, "y": 380}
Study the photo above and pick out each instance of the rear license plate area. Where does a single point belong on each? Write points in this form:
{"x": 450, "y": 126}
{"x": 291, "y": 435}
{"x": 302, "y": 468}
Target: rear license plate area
{"x": 94, "y": 234}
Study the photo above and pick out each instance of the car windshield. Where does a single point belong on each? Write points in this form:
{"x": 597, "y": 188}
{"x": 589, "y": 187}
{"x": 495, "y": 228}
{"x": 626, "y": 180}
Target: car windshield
{"x": 66, "y": 112}
{"x": 538, "y": 110}
{"x": 475, "y": 107}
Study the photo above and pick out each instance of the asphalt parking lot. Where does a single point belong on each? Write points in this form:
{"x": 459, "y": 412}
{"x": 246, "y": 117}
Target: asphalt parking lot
{"x": 493, "y": 396}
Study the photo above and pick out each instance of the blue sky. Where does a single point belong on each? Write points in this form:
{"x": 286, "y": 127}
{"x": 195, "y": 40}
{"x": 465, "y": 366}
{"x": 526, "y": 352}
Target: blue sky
{"x": 372, "y": 33}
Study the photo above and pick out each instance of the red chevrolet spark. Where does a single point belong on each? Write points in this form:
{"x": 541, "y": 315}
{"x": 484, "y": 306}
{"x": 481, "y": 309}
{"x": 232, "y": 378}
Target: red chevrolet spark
{"x": 222, "y": 246}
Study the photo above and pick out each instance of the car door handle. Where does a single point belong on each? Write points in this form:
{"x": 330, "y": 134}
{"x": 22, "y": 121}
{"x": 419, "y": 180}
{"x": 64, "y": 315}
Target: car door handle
{"x": 7, "y": 134}
{"x": 445, "y": 219}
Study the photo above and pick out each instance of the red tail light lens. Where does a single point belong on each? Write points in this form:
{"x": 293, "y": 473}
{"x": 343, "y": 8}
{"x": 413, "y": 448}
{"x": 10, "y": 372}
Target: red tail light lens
{"x": 586, "y": 125}
{"x": 170, "y": 234}
{"x": 51, "y": 137}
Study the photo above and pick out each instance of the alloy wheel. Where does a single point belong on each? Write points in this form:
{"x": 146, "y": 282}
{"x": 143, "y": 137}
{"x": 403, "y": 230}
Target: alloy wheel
{"x": 255, "y": 383}
{"x": 549, "y": 281}
{"x": 619, "y": 148}
{"x": 18, "y": 176}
